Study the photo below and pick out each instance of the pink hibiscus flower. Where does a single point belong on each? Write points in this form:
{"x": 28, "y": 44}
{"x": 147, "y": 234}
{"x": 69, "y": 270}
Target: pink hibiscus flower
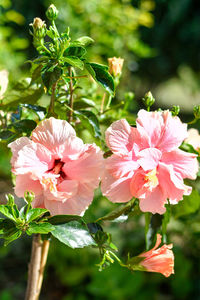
{"x": 146, "y": 162}
{"x": 58, "y": 167}
{"x": 159, "y": 260}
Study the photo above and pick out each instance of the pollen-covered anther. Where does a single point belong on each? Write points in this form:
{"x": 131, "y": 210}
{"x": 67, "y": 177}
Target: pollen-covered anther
{"x": 49, "y": 183}
{"x": 151, "y": 180}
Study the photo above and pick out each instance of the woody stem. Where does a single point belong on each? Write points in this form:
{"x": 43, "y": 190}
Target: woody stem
{"x": 36, "y": 267}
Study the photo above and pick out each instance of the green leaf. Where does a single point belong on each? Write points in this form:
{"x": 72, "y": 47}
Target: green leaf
{"x": 102, "y": 76}
{"x": 61, "y": 219}
{"x": 73, "y": 234}
{"x": 85, "y": 40}
{"x": 50, "y": 77}
{"x": 119, "y": 211}
{"x": 75, "y": 51}
{"x": 6, "y": 210}
{"x": 42, "y": 228}
{"x": 29, "y": 95}
{"x": 39, "y": 110}
{"x": 6, "y": 225}
{"x": 83, "y": 103}
{"x": 16, "y": 233}
{"x": 74, "y": 61}
{"x": 36, "y": 73}
{"x": 6, "y": 134}
{"x": 90, "y": 121}
{"x": 25, "y": 125}
{"x": 35, "y": 213}
{"x": 190, "y": 204}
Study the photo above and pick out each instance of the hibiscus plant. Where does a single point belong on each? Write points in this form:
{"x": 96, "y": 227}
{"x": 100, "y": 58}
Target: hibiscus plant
{"x": 54, "y": 123}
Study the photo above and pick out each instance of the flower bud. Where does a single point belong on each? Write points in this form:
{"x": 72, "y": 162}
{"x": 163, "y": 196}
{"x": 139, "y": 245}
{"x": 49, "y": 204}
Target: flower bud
{"x": 52, "y": 12}
{"x": 175, "y": 110}
{"x": 39, "y": 28}
{"x": 148, "y": 99}
{"x": 196, "y": 111}
{"x": 159, "y": 260}
{"x": 115, "y": 65}
{"x": 29, "y": 196}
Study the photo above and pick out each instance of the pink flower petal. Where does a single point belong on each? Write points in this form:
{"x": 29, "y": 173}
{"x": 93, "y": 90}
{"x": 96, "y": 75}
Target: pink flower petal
{"x": 121, "y": 166}
{"x": 53, "y": 133}
{"x": 17, "y": 145}
{"x": 119, "y": 137}
{"x": 172, "y": 184}
{"x": 33, "y": 158}
{"x": 73, "y": 148}
{"x": 149, "y": 158}
{"x": 53, "y": 190}
{"x": 154, "y": 202}
{"x": 87, "y": 167}
{"x": 26, "y": 183}
{"x": 184, "y": 163}
{"x": 173, "y": 133}
{"x": 116, "y": 190}
{"x": 152, "y": 123}
{"x": 73, "y": 206}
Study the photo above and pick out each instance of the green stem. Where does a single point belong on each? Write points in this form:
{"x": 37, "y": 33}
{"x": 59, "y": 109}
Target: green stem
{"x": 109, "y": 102}
{"x": 193, "y": 121}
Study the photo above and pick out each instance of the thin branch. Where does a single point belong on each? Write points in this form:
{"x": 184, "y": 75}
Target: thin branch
{"x": 71, "y": 99}
{"x": 34, "y": 268}
{"x": 45, "y": 250}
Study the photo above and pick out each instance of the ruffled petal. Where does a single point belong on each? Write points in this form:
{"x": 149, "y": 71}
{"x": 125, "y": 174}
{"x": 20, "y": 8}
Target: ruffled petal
{"x": 149, "y": 158}
{"x": 152, "y": 124}
{"x": 116, "y": 190}
{"x": 154, "y": 202}
{"x": 172, "y": 184}
{"x": 121, "y": 166}
{"x": 17, "y": 145}
{"x": 73, "y": 148}
{"x": 184, "y": 163}
{"x": 173, "y": 133}
{"x": 53, "y": 133}
{"x": 26, "y": 183}
{"x": 119, "y": 137}
{"x": 59, "y": 192}
{"x": 73, "y": 206}
{"x": 88, "y": 167}
{"x": 33, "y": 158}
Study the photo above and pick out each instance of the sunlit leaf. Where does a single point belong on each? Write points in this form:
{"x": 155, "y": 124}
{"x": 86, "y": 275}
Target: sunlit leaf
{"x": 42, "y": 228}
{"x": 102, "y": 76}
{"x": 35, "y": 213}
{"x": 73, "y": 234}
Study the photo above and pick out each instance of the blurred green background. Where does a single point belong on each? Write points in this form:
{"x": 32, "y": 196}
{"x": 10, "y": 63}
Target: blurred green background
{"x": 160, "y": 42}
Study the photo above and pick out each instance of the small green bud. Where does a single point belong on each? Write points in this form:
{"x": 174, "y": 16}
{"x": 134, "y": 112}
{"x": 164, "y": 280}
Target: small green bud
{"x": 129, "y": 96}
{"x": 148, "y": 100}
{"x": 39, "y": 28}
{"x": 11, "y": 200}
{"x": 29, "y": 196}
{"x": 175, "y": 110}
{"x": 52, "y": 12}
{"x": 196, "y": 111}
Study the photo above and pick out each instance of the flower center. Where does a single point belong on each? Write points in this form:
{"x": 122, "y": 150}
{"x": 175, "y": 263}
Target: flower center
{"x": 57, "y": 168}
{"x": 151, "y": 179}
